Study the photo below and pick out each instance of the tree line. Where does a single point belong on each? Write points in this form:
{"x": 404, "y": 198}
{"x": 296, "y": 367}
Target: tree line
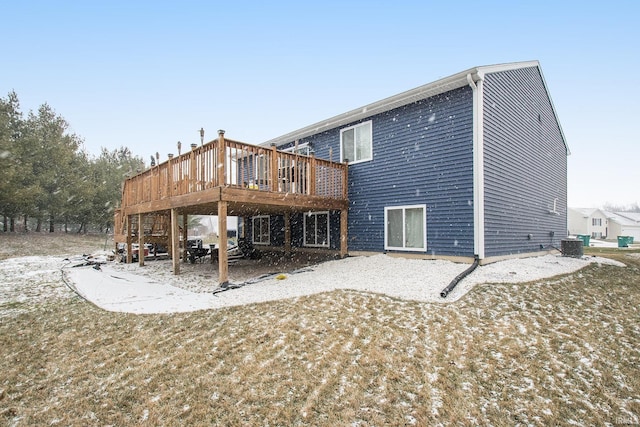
{"x": 48, "y": 181}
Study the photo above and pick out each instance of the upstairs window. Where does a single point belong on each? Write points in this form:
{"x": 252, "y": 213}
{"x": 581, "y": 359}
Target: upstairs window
{"x": 597, "y": 222}
{"x": 356, "y": 143}
{"x": 304, "y": 149}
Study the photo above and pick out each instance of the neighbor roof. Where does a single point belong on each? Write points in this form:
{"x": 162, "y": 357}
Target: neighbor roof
{"x": 443, "y": 85}
{"x": 587, "y": 212}
{"x": 624, "y": 218}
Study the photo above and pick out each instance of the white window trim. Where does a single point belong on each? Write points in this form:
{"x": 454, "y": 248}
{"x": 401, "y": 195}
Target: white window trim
{"x": 353, "y": 161}
{"x": 253, "y": 230}
{"x": 304, "y": 231}
{"x": 404, "y": 208}
{"x": 301, "y": 147}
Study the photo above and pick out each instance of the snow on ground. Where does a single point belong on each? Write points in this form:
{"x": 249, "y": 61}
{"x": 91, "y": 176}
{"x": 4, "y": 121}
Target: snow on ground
{"x": 154, "y": 289}
{"x": 603, "y": 243}
{"x": 27, "y": 279}
{"x": 118, "y": 288}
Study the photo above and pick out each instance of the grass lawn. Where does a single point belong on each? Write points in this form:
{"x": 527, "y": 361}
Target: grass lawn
{"x": 560, "y": 351}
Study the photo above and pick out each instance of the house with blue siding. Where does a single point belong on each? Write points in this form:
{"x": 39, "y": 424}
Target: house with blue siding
{"x": 471, "y": 165}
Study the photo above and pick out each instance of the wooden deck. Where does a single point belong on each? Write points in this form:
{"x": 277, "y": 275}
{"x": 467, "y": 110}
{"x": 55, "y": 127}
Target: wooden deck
{"x": 225, "y": 177}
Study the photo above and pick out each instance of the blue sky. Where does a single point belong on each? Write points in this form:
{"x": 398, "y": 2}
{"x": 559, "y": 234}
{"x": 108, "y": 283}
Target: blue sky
{"x": 146, "y": 74}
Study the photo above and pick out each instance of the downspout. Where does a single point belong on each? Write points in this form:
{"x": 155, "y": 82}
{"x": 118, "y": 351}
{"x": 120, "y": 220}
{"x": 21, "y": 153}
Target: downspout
{"x": 478, "y": 183}
{"x": 459, "y": 277}
{"x": 478, "y": 165}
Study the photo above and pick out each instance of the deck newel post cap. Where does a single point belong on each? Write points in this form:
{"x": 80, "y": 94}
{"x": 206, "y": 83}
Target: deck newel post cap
{"x": 273, "y": 144}
{"x": 170, "y": 155}
{"x": 193, "y": 146}
{"x": 221, "y": 132}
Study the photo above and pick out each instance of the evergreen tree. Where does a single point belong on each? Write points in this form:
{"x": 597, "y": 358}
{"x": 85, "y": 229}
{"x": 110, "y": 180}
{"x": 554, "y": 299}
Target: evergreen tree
{"x": 12, "y": 164}
{"x": 53, "y": 153}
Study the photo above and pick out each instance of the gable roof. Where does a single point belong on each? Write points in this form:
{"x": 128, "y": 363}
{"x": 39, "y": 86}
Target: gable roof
{"x": 624, "y": 218}
{"x": 587, "y": 212}
{"x": 437, "y": 87}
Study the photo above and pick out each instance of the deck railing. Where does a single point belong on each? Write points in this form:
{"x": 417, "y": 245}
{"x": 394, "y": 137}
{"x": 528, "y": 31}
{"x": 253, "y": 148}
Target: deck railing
{"x": 224, "y": 162}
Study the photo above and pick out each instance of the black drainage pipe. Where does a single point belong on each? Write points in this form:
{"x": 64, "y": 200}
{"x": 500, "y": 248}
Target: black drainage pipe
{"x": 459, "y": 277}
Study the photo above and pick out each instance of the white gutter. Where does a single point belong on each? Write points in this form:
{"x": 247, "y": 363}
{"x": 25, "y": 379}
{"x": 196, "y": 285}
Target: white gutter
{"x": 478, "y": 164}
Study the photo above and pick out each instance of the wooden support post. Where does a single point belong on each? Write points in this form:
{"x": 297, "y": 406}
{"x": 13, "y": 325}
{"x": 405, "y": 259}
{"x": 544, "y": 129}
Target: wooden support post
{"x": 181, "y": 180}
{"x": 157, "y": 194}
{"x": 245, "y": 222}
{"x": 287, "y": 233}
{"x": 175, "y": 241}
{"x": 170, "y": 176}
{"x": 274, "y": 169}
{"x": 140, "y": 240}
{"x": 220, "y": 166}
{"x": 204, "y": 177}
{"x": 312, "y": 176}
{"x": 343, "y": 232}
{"x": 223, "y": 267}
{"x": 345, "y": 180}
{"x": 129, "y": 229}
{"x": 192, "y": 173}
{"x": 185, "y": 237}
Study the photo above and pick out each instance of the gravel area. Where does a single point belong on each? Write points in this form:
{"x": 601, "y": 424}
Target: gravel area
{"x": 153, "y": 289}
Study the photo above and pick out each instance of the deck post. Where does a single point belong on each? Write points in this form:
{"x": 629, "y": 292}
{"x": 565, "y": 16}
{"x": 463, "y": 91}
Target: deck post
{"x": 185, "y": 237}
{"x": 192, "y": 173}
{"x": 345, "y": 180}
{"x": 220, "y": 166}
{"x": 175, "y": 241}
{"x": 274, "y": 169}
{"x": 140, "y": 240}
{"x": 129, "y": 239}
{"x": 343, "y": 232}
{"x": 170, "y": 176}
{"x": 156, "y": 180}
{"x": 223, "y": 267}
{"x": 287, "y": 233}
{"x": 312, "y": 175}
{"x": 245, "y": 221}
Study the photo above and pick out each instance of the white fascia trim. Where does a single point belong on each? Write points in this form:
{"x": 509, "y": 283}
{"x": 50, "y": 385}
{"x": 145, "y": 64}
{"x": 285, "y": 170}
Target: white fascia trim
{"x": 478, "y": 164}
{"x": 555, "y": 113}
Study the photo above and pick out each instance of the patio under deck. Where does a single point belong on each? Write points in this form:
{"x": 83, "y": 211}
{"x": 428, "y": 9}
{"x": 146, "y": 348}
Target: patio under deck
{"x": 226, "y": 178}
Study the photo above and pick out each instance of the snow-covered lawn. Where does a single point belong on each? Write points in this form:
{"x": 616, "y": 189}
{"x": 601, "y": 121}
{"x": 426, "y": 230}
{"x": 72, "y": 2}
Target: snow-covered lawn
{"x": 360, "y": 341}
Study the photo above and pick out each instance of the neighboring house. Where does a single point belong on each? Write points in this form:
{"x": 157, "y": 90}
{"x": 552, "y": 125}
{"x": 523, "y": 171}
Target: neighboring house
{"x": 601, "y": 224}
{"x": 624, "y": 224}
{"x": 474, "y": 164}
{"x": 588, "y": 221}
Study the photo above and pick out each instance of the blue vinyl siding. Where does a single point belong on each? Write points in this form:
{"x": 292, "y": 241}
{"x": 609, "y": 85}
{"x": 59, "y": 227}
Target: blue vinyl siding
{"x": 422, "y": 154}
{"x": 525, "y": 164}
